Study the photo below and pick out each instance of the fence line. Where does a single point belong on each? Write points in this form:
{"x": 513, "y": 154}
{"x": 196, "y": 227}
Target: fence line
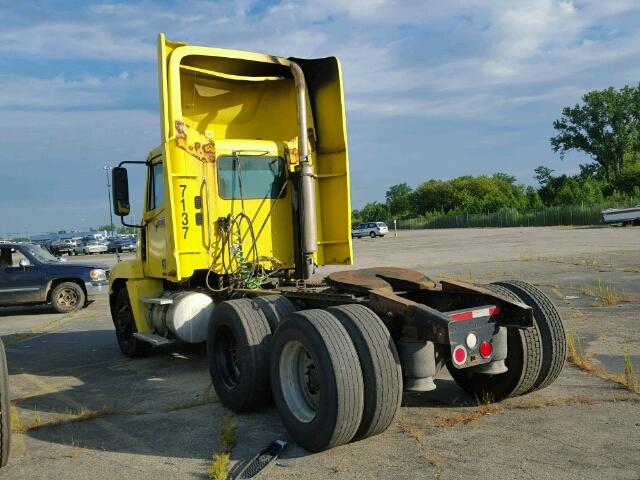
{"x": 511, "y": 217}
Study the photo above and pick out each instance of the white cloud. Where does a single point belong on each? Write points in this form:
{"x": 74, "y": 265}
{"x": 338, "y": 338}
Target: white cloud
{"x": 76, "y": 40}
{"x": 86, "y": 91}
{"x": 513, "y": 44}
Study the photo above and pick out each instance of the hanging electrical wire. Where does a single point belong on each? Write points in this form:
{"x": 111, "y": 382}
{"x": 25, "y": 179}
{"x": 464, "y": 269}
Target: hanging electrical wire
{"x": 242, "y": 270}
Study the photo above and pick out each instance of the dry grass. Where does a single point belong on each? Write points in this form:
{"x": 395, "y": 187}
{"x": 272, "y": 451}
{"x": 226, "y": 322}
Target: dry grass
{"x": 436, "y": 461}
{"x": 523, "y": 403}
{"x": 629, "y": 379}
{"x": 583, "y": 361}
{"x": 21, "y": 337}
{"x": 207, "y": 397}
{"x": 579, "y": 358}
{"x": 607, "y": 294}
{"x": 467, "y": 417}
{"x": 414, "y": 432}
{"x": 586, "y": 262}
{"x": 219, "y": 469}
{"x": 83, "y": 415}
{"x": 535, "y": 403}
{"x": 18, "y": 425}
{"x": 227, "y": 433}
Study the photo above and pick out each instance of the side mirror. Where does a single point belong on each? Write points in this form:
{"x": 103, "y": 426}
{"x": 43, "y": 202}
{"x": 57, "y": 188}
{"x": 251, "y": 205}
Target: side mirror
{"x": 120, "y": 185}
{"x": 24, "y": 263}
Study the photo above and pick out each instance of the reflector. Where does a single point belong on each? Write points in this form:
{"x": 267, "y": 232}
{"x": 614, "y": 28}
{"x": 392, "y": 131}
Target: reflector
{"x": 486, "y": 349}
{"x": 472, "y": 340}
{"x": 459, "y": 355}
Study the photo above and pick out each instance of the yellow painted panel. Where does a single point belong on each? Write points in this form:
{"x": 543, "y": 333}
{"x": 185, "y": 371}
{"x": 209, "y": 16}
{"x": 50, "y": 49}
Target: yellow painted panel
{"x": 138, "y": 289}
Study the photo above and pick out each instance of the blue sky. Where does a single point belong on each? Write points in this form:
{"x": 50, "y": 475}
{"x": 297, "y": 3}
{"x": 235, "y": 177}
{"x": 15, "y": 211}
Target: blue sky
{"x": 433, "y": 89}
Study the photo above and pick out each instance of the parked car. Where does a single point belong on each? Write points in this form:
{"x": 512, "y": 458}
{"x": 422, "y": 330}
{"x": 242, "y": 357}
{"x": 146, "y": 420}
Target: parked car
{"x": 29, "y": 274}
{"x": 121, "y": 245}
{"x": 60, "y": 247}
{"x": 370, "y": 229}
{"x": 90, "y": 247}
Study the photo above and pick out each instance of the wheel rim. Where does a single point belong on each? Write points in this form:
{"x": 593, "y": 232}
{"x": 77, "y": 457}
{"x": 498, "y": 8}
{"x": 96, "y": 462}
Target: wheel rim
{"x": 299, "y": 381}
{"x": 226, "y": 357}
{"x": 67, "y": 298}
{"x": 372, "y": 235}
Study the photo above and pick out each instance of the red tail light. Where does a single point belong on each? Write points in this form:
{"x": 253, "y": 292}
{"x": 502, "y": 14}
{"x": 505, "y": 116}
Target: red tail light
{"x": 486, "y": 349}
{"x": 459, "y": 355}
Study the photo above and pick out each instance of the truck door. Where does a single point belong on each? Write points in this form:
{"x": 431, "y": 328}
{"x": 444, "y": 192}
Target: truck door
{"x": 18, "y": 284}
{"x": 155, "y": 223}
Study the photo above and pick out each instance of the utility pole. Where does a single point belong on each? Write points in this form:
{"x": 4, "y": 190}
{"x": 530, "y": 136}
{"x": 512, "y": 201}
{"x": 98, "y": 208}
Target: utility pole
{"x": 107, "y": 169}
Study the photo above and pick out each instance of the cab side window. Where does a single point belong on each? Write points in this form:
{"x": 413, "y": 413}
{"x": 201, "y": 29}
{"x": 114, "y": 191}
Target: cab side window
{"x": 156, "y": 187}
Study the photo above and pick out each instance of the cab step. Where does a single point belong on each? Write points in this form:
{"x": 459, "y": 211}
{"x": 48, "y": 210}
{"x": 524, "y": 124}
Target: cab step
{"x": 157, "y": 301}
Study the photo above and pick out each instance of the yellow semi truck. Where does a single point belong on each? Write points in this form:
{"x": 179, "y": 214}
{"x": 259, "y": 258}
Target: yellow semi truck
{"x": 246, "y": 195}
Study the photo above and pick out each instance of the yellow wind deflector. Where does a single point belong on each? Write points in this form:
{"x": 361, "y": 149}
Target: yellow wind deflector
{"x": 215, "y": 102}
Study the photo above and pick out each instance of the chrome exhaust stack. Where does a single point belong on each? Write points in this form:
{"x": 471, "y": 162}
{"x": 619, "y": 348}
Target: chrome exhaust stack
{"x": 305, "y": 203}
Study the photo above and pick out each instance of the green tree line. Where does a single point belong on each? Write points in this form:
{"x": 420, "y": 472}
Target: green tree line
{"x": 605, "y": 127}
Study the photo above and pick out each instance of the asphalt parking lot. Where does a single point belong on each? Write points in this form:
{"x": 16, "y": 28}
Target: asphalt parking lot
{"x": 82, "y": 410}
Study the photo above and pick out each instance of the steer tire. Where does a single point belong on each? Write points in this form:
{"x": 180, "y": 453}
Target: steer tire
{"x": 238, "y": 340}
{"x": 550, "y": 329}
{"x": 67, "y": 297}
{"x": 524, "y": 361}
{"x": 316, "y": 380}
{"x": 380, "y": 366}
{"x": 125, "y": 326}
{"x": 5, "y": 412}
{"x": 275, "y": 308}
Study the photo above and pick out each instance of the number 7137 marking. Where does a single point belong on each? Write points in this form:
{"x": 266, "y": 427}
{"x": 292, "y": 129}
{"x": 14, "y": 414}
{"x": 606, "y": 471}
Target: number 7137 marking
{"x": 185, "y": 215}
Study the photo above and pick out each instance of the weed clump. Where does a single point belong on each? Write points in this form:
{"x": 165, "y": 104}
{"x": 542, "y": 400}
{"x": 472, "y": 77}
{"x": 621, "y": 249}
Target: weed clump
{"x": 582, "y": 361}
{"x": 219, "y": 469}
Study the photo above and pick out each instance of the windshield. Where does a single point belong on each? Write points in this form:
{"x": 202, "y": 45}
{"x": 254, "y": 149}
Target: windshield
{"x": 40, "y": 254}
{"x": 382, "y": 224}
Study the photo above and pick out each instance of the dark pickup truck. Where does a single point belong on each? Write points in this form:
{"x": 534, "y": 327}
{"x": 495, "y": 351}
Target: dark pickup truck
{"x": 60, "y": 247}
{"x": 29, "y": 274}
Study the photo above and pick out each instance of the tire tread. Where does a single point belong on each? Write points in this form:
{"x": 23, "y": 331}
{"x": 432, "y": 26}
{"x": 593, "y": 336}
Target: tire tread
{"x": 550, "y": 328}
{"x": 380, "y": 367}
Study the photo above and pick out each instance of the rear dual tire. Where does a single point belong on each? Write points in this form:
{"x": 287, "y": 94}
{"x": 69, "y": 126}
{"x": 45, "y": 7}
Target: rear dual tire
{"x": 535, "y": 355}
{"x": 317, "y": 380}
{"x": 238, "y": 345}
{"x": 380, "y": 366}
{"x": 335, "y": 376}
